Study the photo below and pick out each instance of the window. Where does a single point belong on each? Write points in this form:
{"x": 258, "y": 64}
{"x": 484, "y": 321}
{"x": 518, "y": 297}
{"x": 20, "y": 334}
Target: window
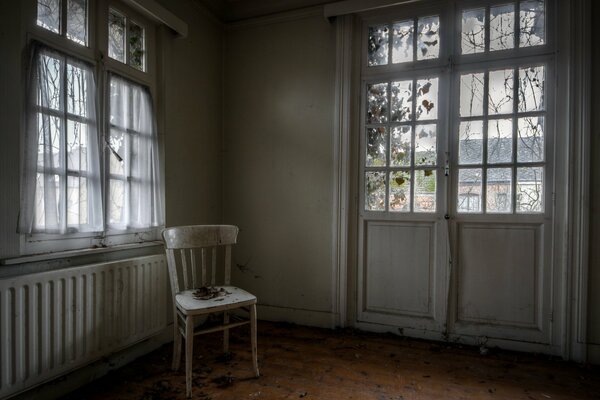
{"x": 69, "y": 149}
{"x": 497, "y": 110}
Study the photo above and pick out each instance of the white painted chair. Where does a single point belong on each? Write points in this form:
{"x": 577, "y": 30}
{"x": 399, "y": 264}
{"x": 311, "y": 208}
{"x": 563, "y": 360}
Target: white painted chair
{"x": 183, "y": 245}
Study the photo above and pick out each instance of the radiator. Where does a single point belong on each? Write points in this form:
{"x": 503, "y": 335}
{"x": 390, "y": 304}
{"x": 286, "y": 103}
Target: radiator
{"x": 57, "y": 321}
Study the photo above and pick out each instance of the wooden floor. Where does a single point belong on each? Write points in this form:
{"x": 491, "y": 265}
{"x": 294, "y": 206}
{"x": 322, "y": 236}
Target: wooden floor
{"x": 299, "y": 362}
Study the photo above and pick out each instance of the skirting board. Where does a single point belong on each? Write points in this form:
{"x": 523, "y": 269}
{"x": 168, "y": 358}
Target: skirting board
{"x": 320, "y": 319}
{"x": 593, "y": 354}
{"x": 65, "y": 384}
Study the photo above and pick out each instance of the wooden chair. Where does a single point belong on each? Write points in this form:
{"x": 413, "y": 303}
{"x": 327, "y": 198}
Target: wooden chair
{"x": 183, "y": 244}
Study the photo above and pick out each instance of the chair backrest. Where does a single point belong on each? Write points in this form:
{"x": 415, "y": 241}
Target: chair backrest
{"x": 182, "y": 245}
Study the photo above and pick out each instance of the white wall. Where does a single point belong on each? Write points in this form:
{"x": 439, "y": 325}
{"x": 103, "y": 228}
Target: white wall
{"x": 278, "y": 168}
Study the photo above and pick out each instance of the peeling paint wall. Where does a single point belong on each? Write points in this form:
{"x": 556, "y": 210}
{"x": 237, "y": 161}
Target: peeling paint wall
{"x": 278, "y": 166}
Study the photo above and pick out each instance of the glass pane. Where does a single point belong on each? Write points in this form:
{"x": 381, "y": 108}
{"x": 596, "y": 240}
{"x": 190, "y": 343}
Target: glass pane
{"x": 502, "y": 27}
{"x": 49, "y": 141}
{"x": 77, "y": 90}
{"x": 119, "y": 103}
{"x": 76, "y": 200}
{"x": 116, "y": 36}
{"x": 532, "y": 23}
{"x": 77, "y": 21}
{"x": 402, "y": 42}
{"x": 77, "y": 146}
{"x": 136, "y": 46}
{"x": 428, "y": 38}
{"x": 531, "y": 88}
{"x": 378, "y": 45}
{"x": 116, "y": 202}
{"x": 473, "y": 31}
{"x": 47, "y": 186}
{"x": 48, "y": 15}
{"x": 470, "y": 145}
{"x": 469, "y": 191}
{"x": 530, "y": 139}
{"x": 375, "y": 191}
{"x": 376, "y": 147}
{"x": 118, "y": 152}
{"x": 377, "y": 103}
{"x": 400, "y": 191}
{"x": 501, "y": 91}
{"x": 401, "y": 143}
{"x": 499, "y": 190}
{"x": 530, "y": 189}
{"x": 49, "y": 94}
{"x": 425, "y": 145}
{"x": 471, "y": 94}
{"x": 427, "y": 96}
{"x": 500, "y": 141}
{"x": 425, "y": 190}
{"x": 401, "y": 101}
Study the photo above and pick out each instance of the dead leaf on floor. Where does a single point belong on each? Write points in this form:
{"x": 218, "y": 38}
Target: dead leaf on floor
{"x": 303, "y": 394}
{"x": 224, "y": 381}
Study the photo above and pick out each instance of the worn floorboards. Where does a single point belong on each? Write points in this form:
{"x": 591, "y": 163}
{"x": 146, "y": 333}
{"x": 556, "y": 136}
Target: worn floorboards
{"x": 300, "y": 362}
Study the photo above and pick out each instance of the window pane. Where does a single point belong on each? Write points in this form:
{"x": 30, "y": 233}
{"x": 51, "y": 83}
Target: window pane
{"x": 116, "y": 202}
{"x": 502, "y": 27}
{"x": 49, "y": 94}
{"x": 49, "y": 141}
{"x": 76, "y": 201}
{"x": 473, "y": 31}
{"x": 531, "y": 88}
{"x": 400, "y": 191}
{"x": 402, "y": 43}
{"x": 77, "y": 90}
{"x": 530, "y": 189}
{"x": 469, "y": 191}
{"x": 501, "y": 91}
{"x": 116, "y": 36}
{"x": 427, "y": 96}
{"x": 499, "y": 190}
{"x": 470, "y": 146}
{"x": 136, "y": 46}
{"x": 118, "y": 154}
{"x": 471, "y": 94}
{"x": 530, "y": 140}
{"x": 401, "y": 101}
{"x": 77, "y": 21}
{"x": 47, "y": 201}
{"x": 375, "y": 191}
{"x": 378, "y": 45}
{"x": 500, "y": 141}
{"x": 425, "y": 145}
{"x": 376, "y": 147}
{"x": 401, "y": 143}
{"x": 377, "y": 99}
{"x": 532, "y": 21}
{"x": 48, "y": 15}
{"x": 428, "y": 38}
{"x": 77, "y": 146}
{"x": 425, "y": 190}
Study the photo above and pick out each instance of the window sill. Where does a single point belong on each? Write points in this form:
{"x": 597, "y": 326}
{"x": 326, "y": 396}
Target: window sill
{"x": 75, "y": 253}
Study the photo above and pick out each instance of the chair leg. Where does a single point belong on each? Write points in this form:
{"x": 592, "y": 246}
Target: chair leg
{"x": 226, "y": 333}
{"x": 189, "y": 352}
{"x": 253, "y": 339}
{"x": 176, "y": 344}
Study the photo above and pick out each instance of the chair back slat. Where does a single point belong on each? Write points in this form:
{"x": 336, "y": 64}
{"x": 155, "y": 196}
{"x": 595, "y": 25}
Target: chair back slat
{"x": 183, "y": 260}
{"x": 213, "y": 271}
{"x": 194, "y": 268}
{"x": 184, "y": 269}
{"x": 227, "y": 265}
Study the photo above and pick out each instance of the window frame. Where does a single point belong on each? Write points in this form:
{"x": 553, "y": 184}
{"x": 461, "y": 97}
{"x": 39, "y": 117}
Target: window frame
{"x": 96, "y": 54}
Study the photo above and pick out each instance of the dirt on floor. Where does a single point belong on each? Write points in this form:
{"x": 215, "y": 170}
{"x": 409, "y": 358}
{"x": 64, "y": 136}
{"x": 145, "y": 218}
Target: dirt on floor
{"x": 310, "y": 363}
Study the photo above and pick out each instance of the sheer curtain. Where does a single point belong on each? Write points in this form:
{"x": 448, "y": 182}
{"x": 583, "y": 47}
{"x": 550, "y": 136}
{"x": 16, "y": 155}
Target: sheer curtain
{"x": 60, "y": 182}
{"x": 134, "y": 187}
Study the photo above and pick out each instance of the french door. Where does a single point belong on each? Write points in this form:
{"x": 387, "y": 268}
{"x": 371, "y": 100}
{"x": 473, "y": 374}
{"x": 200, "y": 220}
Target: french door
{"x": 456, "y": 215}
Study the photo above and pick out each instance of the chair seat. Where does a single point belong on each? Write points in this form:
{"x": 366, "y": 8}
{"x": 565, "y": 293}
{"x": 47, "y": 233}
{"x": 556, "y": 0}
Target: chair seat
{"x": 234, "y": 298}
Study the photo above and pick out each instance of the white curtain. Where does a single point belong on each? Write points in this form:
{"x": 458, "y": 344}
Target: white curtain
{"x": 60, "y": 182}
{"x": 134, "y": 198}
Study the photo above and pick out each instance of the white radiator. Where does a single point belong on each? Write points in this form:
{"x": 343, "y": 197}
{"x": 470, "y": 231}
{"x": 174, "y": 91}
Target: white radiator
{"x": 57, "y": 321}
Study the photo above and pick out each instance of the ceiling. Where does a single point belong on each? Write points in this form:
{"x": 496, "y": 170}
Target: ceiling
{"x": 236, "y": 10}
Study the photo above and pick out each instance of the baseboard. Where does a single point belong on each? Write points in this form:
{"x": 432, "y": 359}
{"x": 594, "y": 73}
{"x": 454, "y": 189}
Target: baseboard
{"x": 71, "y": 381}
{"x": 593, "y": 354}
{"x": 320, "y": 319}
